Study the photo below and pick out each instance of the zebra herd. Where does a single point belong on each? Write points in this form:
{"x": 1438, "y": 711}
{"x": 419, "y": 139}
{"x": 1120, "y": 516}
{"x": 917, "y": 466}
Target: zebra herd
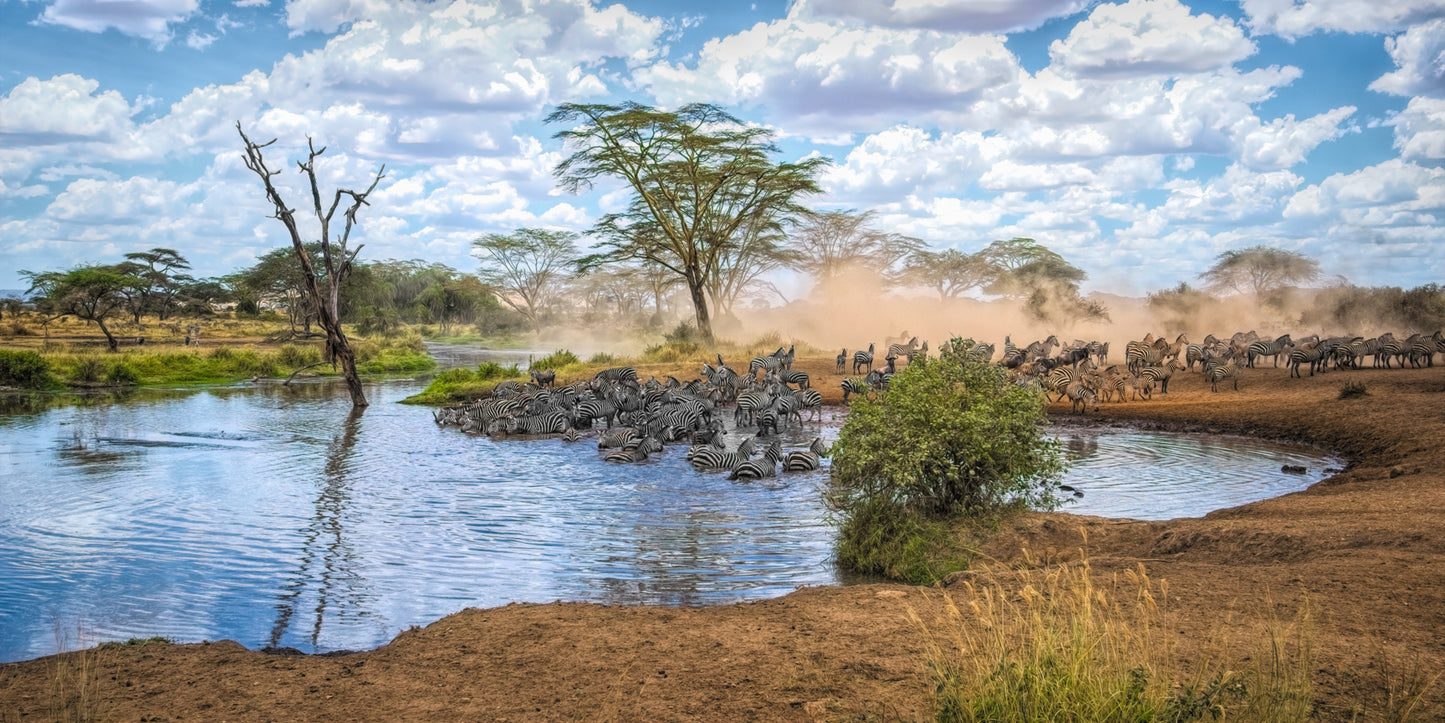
{"x": 1081, "y": 373}
{"x": 876, "y": 380}
{"x": 642, "y": 418}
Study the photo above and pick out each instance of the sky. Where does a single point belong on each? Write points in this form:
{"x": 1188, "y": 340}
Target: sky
{"x": 1138, "y": 139}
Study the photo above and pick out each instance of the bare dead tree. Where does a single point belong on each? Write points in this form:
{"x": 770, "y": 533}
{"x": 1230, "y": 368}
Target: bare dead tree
{"x": 336, "y": 259}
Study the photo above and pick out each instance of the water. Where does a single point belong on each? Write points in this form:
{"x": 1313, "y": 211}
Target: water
{"x": 268, "y": 515}
{"x": 1161, "y": 476}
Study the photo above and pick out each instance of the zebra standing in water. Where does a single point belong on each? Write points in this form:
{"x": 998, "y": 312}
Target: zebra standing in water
{"x": 714, "y": 458}
{"x": 863, "y": 359}
{"x": 760, "y": 468}
{"x": 807, "y": 459}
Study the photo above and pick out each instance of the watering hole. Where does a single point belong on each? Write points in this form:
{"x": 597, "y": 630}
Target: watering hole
{"x": 266, "y": 515}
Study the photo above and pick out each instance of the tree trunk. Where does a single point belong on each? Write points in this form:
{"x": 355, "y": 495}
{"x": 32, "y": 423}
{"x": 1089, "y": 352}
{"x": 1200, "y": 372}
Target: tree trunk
{"x": 699, "y": 302}
{"x": 109, "y": 338}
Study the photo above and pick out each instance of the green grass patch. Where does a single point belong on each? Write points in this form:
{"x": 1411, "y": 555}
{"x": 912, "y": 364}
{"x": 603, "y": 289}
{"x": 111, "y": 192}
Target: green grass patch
{"x": 462, "y": 385}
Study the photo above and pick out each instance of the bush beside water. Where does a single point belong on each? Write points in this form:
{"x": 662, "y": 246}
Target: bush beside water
{"x": 952, "y": 441}
{"x": 25, "y": 369}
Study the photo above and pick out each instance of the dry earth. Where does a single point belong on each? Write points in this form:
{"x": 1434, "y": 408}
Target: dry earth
{"x": 1364, "y": 548}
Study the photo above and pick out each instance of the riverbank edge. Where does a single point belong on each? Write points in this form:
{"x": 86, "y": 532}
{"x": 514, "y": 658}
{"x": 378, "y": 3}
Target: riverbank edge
{"x": 1324, "y": 543}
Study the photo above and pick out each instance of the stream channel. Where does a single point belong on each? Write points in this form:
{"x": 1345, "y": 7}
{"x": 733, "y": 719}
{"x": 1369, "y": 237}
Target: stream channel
{"x": 267, "y": 515}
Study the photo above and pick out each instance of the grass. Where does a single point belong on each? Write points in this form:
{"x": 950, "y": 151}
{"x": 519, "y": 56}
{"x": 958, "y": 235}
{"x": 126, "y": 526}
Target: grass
{"x": 159, "y": 365}
{"x": 75, "y": 682}
{"x": 461, "y": 384}
{"x": 1062, "y": 644}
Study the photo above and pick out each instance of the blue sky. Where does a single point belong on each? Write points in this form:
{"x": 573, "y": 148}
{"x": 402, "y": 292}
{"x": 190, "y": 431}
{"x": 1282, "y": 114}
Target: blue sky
{"x": 1139, "y": 139}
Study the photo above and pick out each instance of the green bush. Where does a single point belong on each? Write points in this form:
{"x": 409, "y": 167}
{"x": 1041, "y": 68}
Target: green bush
{"x": 122, "y": 374}
{"x": 295, "y": 357}
{"x": 25, "y": 369}
{"x": 88, "y": 369}
{"x": 603, "y": 358}
{"x": 488, "y": 371}
{"x": 951, "y": 440}
{"x": 556, "y": 360}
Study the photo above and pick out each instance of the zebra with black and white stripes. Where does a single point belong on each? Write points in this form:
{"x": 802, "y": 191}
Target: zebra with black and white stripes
{"x": 799, "y": 378}
{"x": 549, "y": 423}
{"x": 1221, "y": 372}
{"x": 897, "y": 350}
{"x": 855, "y": 386}
{"x": 842, "y": 361}
{"x": 1160, "y": 374}
{"x": 1272, "y": 349}
{"x": 767, "y": 466}
{"x": 715, "y": 458}
{"x": 863, "y": 359}
{"x": 806, "y": 460}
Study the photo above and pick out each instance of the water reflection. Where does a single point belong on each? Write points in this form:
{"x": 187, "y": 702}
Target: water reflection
{"x": 327, "y": 559}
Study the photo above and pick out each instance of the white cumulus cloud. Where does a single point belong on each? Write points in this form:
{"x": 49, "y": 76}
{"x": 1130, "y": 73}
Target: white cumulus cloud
{"x": 987, "y": 16}
{"x": 149, "y": 19}
{"x": 1149, "y": 36}
{"x": 1419, "y": 55}
{"x": 1298, "y": 18}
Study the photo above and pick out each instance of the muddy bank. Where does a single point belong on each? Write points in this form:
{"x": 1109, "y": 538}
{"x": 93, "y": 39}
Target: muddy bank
{"x": 1365, "y": 548}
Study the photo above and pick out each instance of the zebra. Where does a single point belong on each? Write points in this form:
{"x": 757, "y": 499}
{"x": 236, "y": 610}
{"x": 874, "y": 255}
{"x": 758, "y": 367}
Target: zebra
{"x": 1080, "y": 394}
{"x": 1423, "y": 348}
{"x": 1221, "y": 372}
{"x": 806, "y": 460}
{"x": 1267, "y": 348}
{"x": 767, "y": 418}
{"x": 645, "y": 448}
{"x": 571, "y": 435}
{"x": 897, "y": 350}
{"x": 1160, "y": 374}
{"x": 1305, "y": 353}
{"x": 716, "y": 458}
{"x": 759, "y": 468}
{"x": 863, "y": 359}
{"x": 920, "y": 353}
{"x": 544, "y": 378}
{"x": 618, "y": 437}
{"x": 787, "y": 359}
{"x": 809, "y": 399}
{"x": 765, "y": 363}
{"x": 749, "y": 403}
{"x": 591, "y": 409}
{"x": 799, "y": 378}
{"x": 509, "y": 388}
{"x": 615, "y": 375}
{"x": 842, "y": 362}
{"x": 855, "y": 386}
{"x": 550, "y": 423}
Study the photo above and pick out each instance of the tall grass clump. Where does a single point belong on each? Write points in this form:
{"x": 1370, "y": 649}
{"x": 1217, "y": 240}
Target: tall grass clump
{"x": 461, "y": 384}
{"x": 25, "y": 369}
{"x": 556, "y": 360}
{"x": 951, "y": 441}
{"x": 405, "y": 352}
{"x": 75, "y": 685}
{"x": 1058, "y": 644}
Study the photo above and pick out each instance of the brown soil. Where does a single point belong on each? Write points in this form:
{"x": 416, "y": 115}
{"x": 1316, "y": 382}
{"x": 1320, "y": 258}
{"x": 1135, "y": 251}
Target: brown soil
{"x": 1364, "y": 547}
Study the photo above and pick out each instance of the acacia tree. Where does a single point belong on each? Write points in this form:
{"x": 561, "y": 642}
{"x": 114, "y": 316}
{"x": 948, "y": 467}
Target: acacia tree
{"x": 950, "y": 272}
{"x": 526, "y": 267}
{"x": 758, "y": 249}
{"x": 336, "y": 257}
{"x": 1048, "y": 285}
{"x": 697, "y": 175}
{"x": 91, "y": 293}
{"x": 159, "y": 270}
{"x": 829, "y": 242}
{"x": 1259, "y": 270}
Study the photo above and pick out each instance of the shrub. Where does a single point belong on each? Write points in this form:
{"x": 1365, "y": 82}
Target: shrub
{"x": 122, "y": 374}
{"x": 556, "y": 360}
{"x": 488, "y": 371}
{"x": 602, "y": 358}
{"x": 1351, "y": 390}
{"x": 88, "y": 369}
{"x": 291, "y": 355}
{"x": 952, "y": 439}
{"x": 25, "y": 369}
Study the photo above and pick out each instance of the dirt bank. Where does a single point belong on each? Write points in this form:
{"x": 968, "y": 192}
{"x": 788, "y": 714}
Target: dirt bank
{"x": 1364, "y": 547}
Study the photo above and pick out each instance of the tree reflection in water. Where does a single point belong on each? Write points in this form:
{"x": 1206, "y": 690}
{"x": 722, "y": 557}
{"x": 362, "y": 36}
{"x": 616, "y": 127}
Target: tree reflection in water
{"x": 327, "y": 560}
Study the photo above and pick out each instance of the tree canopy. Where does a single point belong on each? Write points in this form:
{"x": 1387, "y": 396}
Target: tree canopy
{"x": 829, "y": 242}
{"x": 526, "y": 266}
{"x": 698, "y": 176}
{"x": 91, "y": 293}
{"x": 950, "y": 272}
{"x": 1259, "y": 270}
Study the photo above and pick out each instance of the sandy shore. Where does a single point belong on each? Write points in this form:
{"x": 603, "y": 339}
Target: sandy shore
{"x": 1365, "y": 548}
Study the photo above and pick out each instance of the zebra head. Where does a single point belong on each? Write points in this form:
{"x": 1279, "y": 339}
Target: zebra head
{"x": 818, "y": 447}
